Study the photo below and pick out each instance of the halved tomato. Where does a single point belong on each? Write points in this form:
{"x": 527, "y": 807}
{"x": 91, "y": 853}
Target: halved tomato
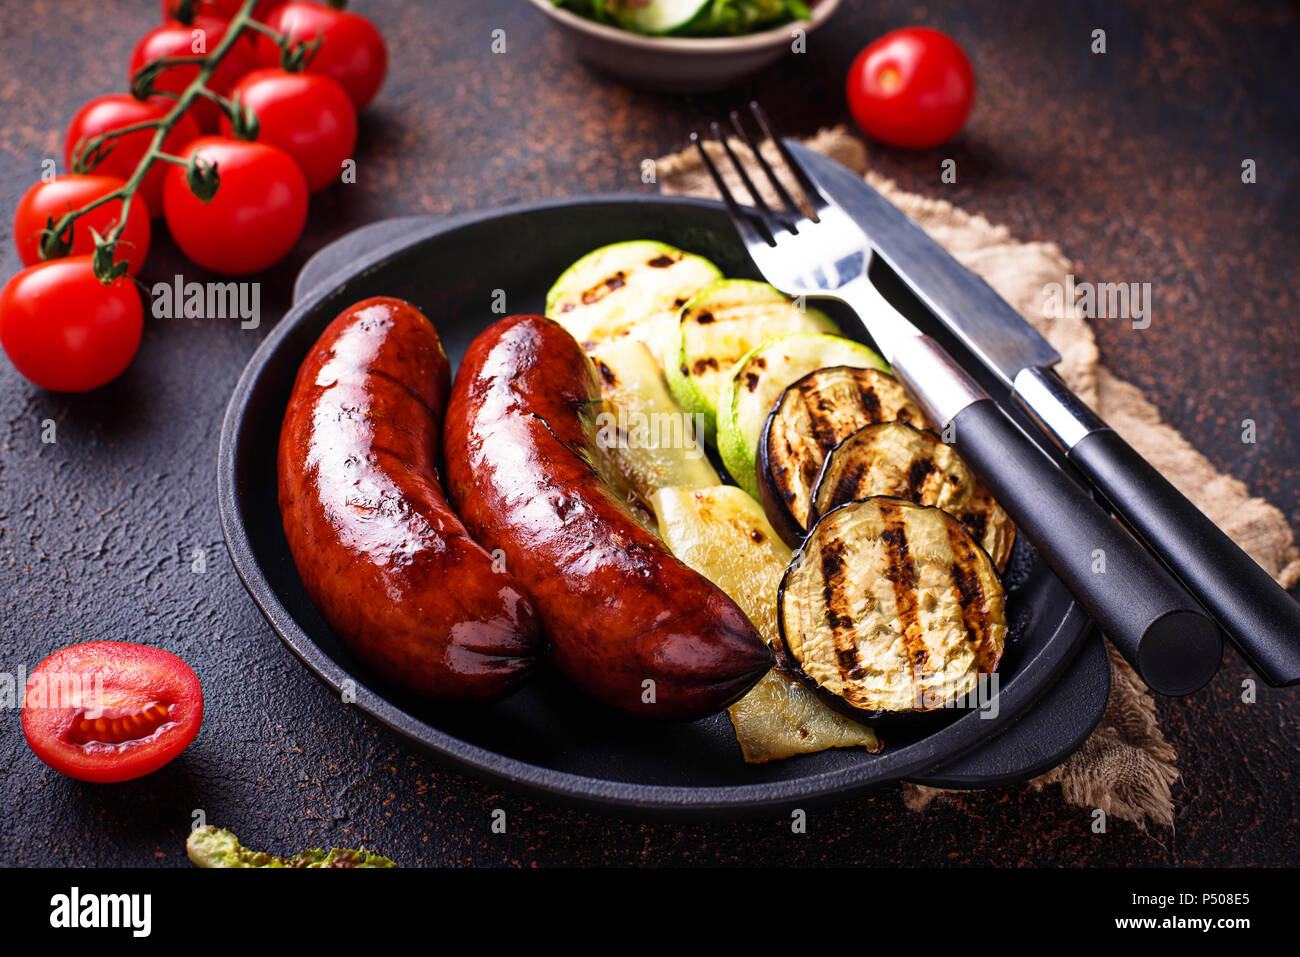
{"x": 108, "y": 711}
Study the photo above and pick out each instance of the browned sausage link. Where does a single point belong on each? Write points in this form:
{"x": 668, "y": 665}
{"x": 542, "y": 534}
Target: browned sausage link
{"x": 627, "y": 621}
{"x": 383, "y": 556}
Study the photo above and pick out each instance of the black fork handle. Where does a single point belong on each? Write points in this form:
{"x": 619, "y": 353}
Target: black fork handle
{"x": 1162, "y": 632}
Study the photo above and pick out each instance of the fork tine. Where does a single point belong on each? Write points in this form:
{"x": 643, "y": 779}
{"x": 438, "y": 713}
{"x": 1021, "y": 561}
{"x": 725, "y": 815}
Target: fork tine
{"x": 790, "y": 205}
{"x": 810, "y": 189}
{"x": 774, "y": 222}
{"x": 749, "y": 233}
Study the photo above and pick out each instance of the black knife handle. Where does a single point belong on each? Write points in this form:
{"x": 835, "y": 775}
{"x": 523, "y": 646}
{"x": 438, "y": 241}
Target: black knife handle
{"x": 1163, "y": 633}
{"x": 1259, "y": 616}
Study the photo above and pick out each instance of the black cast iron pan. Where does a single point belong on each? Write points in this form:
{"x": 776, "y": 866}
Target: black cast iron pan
{"x": 1054, "y": 679}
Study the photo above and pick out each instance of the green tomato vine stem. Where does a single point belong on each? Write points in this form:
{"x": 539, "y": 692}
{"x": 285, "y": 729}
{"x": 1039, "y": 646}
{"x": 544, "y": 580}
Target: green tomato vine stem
{"x": 90, "y": 151}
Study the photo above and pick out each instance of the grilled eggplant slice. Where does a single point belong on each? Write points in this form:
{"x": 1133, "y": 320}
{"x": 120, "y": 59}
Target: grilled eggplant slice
{"x": 895, "y": 459}
{"x": 758, "y": 380}
{"x": 891, "y": 608}
{"x": 720, "y": 326}
{"x": 722, "y": 533}
{"x": 812, "y": 416}
{"x": 627, "y": 289}
{"x": 646, "y": 436}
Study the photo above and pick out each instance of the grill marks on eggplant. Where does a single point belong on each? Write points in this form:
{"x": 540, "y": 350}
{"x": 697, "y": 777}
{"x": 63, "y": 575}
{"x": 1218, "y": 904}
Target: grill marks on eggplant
{"x": 902, "y": 576}
{"x": 814, "y": 415}
{"x": 890, "y": 607}
{"x": 895, "y": 459}
{"x": 974, "y": 606}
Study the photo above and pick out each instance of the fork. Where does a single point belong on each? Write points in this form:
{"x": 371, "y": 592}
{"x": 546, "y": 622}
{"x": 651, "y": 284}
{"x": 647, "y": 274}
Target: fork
{"x": 1174, "y": 645}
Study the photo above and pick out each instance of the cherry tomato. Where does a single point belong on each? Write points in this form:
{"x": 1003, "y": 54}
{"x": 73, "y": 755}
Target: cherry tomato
{"x": 109, "y": 711}
{"x": 114, "y": 111}
{"x": 63, "y": 194}
{"x": 66, "y": 331}
{"x": 221, "y": 8}
{"x": 307, "y": 115}
{"x": 256, "y": 215}
{"x": 913, "y": 88}
{"x": 352, "y": 51}
{"x": 175, "y": 39}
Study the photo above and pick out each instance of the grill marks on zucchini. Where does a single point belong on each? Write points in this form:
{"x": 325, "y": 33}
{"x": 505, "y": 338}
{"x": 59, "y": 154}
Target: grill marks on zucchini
{"x": 813, "y": 416}
{"x": 628, "y": 290}
{"x": 595, "y": 294}
{"x": 895, "y": 459}
{"x": 756, "y": 384}
{"x": 720, "y": 325}
{"x": 890, "y": 607}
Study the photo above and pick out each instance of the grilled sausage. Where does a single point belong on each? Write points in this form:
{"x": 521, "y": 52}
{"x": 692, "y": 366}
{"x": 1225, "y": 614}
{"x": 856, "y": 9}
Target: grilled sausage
{"x": 628, "y": 623}
{"x": 383, "y": 556}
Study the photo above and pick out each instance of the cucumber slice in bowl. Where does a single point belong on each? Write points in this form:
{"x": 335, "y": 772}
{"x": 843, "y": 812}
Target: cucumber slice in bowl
{"x": 721, "y": 324}
{"x": 898, "y": 460}
{"x": 891, "y": 608}
{"x": 812, "y": 416}
{"x": 653, "y": 16}
{"x": 723, "y": 534}
{"x": 757, "y": 381}
{"x": 633, "y": 289}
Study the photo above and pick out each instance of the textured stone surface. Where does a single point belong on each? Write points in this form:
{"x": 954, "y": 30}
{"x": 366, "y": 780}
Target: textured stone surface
{"x": 1131, "y": 161}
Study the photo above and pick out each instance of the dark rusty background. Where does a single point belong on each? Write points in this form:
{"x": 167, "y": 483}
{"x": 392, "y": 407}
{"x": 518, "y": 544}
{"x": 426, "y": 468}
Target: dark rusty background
{"x": 1130, "y": 161}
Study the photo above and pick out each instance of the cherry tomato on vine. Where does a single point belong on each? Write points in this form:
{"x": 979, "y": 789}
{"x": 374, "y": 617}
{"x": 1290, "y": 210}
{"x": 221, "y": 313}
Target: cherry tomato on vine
{"x": 912, "y": 87}
{"x": 307, "y": 115}
{"x": 46, "y": 201}
{"x": 66, "y": 331}
{"x": 220, "y": 8}
{"x": 255, "y": 217}
{"x": 108, "y": 711}
{"x": 352, "y": 50}
{"x": 113, "y": 112}
{"x": 174, "y": 39}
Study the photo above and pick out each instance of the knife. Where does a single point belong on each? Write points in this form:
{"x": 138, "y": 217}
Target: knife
{"x": 1256, "y": 614}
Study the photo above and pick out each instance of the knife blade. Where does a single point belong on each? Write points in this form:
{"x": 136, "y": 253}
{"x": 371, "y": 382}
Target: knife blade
{"x": 1257, "y": 615}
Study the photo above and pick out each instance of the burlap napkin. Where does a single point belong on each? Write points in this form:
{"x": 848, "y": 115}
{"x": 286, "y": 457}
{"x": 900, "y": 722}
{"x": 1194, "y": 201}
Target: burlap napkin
{"x": 1126, "y": 767}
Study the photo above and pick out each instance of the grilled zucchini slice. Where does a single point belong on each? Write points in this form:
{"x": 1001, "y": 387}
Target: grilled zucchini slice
{"x": 891, "y": 608}
{"x": 720, "y": 326}
{"x": 758, "y": 380}
{"x": 722, "y": 533}
{"x": 895, "y": 459}
{"x": 647, "y": 437}
{"x": 812, "y": 416}
{"x": 633, "y": 289}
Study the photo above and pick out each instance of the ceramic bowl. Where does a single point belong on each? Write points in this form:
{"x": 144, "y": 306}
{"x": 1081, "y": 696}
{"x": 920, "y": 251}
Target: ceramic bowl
{"x": 679, "y": 64}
